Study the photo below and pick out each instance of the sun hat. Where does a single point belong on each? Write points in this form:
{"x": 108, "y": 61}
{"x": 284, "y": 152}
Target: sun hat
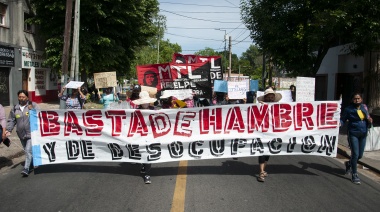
{"x": 144, "y": 98}
{"x": 277, "y": 96}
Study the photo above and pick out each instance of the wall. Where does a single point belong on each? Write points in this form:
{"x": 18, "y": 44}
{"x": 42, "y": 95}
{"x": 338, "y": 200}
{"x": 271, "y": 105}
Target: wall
{"x": 337, "y": 60}
{"x": 13, "y": 35}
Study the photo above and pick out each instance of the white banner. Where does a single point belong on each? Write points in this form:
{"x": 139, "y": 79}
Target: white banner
{"x": 154, "y": 136}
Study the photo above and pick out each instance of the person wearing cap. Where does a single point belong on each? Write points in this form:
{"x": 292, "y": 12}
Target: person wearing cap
{"x": 108, "y": 97}
{"x": 269, "y": 96}
{"x": 144, "y": 103}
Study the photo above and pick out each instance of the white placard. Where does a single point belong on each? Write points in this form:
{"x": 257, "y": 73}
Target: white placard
{"x": 74, "y": 84}
{"x": 305, "y": 90}
{"x": 238, "y": 90}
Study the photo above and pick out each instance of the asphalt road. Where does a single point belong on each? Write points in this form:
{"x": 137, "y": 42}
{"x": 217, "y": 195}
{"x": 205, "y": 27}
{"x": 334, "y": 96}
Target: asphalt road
{"x": 295, "y": 183}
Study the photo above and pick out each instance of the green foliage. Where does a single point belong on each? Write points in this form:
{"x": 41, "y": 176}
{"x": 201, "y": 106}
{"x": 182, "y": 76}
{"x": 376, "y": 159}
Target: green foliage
{"x": 148, "y": 54}
{"x": 111, "y": 31}
{"x": 297, "y": 34}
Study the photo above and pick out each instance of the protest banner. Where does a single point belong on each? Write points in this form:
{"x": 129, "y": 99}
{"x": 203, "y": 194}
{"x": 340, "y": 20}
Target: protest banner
{"x": 180, "y": 94}
{"x": 154, "y": 136}
{"x": 105, "y": 79}
{"x": 169, "y": 76}
{"x": 216, "y": 72}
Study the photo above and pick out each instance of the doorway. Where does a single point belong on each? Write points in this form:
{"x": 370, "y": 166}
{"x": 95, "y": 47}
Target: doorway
{"x": 25, "y": 79}
{"x": 4, "y": 86}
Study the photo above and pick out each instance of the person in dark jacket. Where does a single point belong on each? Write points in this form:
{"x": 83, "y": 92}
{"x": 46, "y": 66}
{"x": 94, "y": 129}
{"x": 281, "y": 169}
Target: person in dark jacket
{"x": 19, "y": 117}
{"x": 358, "y": 122}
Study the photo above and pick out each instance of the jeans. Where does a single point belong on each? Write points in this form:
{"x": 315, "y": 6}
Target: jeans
{"x": 27, "y": 144}
{"x": 357, "y": 145}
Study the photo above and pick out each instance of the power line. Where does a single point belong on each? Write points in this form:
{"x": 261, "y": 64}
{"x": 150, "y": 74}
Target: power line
{"x": 201, "y": 28}
{"x": 191, "y": 37}
{"x": 208, "y": 12}
{"x": 202, "y": 5}
{"x": 224, "y": 22}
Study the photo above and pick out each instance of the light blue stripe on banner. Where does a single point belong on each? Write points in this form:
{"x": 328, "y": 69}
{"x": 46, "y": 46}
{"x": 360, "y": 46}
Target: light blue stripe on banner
{"x": 37, "y": 160}
{"x": 33, "y": 120}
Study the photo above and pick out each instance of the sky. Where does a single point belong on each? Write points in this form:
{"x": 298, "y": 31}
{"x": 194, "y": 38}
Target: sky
{"x": 198, "y": 24}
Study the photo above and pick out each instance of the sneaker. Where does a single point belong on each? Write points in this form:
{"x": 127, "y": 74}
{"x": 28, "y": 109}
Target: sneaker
{"x": 147, "y": 179}
{"x": 25, "y": 172}
{"x": 355, "y": 179}
{"x": 348, "y": 167}
{"x": 142, "y": 170}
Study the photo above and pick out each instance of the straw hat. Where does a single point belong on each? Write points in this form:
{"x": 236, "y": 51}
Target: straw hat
{"x": 277, "y": 96}
{"x": 144, "y": 98}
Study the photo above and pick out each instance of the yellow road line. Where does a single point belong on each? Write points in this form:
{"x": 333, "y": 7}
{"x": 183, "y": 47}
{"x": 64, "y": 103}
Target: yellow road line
{"x": 178, "y": 203}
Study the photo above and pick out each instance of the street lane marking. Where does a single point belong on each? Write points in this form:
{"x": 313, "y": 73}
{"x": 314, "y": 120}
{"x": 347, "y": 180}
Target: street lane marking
{"x": 178, "y": 203}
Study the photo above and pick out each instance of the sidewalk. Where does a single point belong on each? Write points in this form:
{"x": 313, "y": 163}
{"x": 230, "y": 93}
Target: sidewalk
{"x": 7, "y": 154}
{"x": 370, "y": 160}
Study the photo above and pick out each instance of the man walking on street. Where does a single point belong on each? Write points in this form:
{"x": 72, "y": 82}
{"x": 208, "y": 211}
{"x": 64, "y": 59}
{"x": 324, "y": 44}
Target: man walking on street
{"x": 19, "y": 117}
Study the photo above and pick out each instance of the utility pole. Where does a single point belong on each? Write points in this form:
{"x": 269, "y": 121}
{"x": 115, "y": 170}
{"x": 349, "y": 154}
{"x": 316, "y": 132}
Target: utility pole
{"x": 230, "y": 53}
{"x": 66, "y": 46}
{"x": 158, "y": 43}
{"x": 263, "y": 74}
{"x": 225, "y": 46}
{"x": 74, "y": 72}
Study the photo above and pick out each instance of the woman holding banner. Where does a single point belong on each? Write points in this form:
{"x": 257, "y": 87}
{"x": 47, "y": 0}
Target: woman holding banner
{"x": 269, "y": 96}
{"x": 144, "y": 103}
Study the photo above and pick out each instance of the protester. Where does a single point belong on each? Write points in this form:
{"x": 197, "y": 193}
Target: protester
{"x": 144, "y": 103}
{"x": 358, "y": 122}
{"x": 293, "y": 92}
{"x": 269, "y": 96}
{"x": 108, "y": 97}
{"x": 3, "y": 122}
{"x": 118, "y": 90}
{"x": 166, "y": 100}
{"x": 134, "y": 95}
{"x": 19, "y": 117}
{"x": 75, "y": 100}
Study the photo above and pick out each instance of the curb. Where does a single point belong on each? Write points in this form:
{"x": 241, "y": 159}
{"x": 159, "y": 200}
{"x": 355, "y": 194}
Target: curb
{"x": 344, "y": 151}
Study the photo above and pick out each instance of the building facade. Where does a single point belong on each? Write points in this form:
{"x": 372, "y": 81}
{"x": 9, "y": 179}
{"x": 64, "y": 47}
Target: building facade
{"x": 22, "y": 56}
{"x": 342, "y": 73}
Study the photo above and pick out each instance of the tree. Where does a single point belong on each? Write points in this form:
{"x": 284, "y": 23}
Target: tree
{"x": 111, "y": 31}
{"x": 148, "y": 54}
{"x": 298, "y": 33}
